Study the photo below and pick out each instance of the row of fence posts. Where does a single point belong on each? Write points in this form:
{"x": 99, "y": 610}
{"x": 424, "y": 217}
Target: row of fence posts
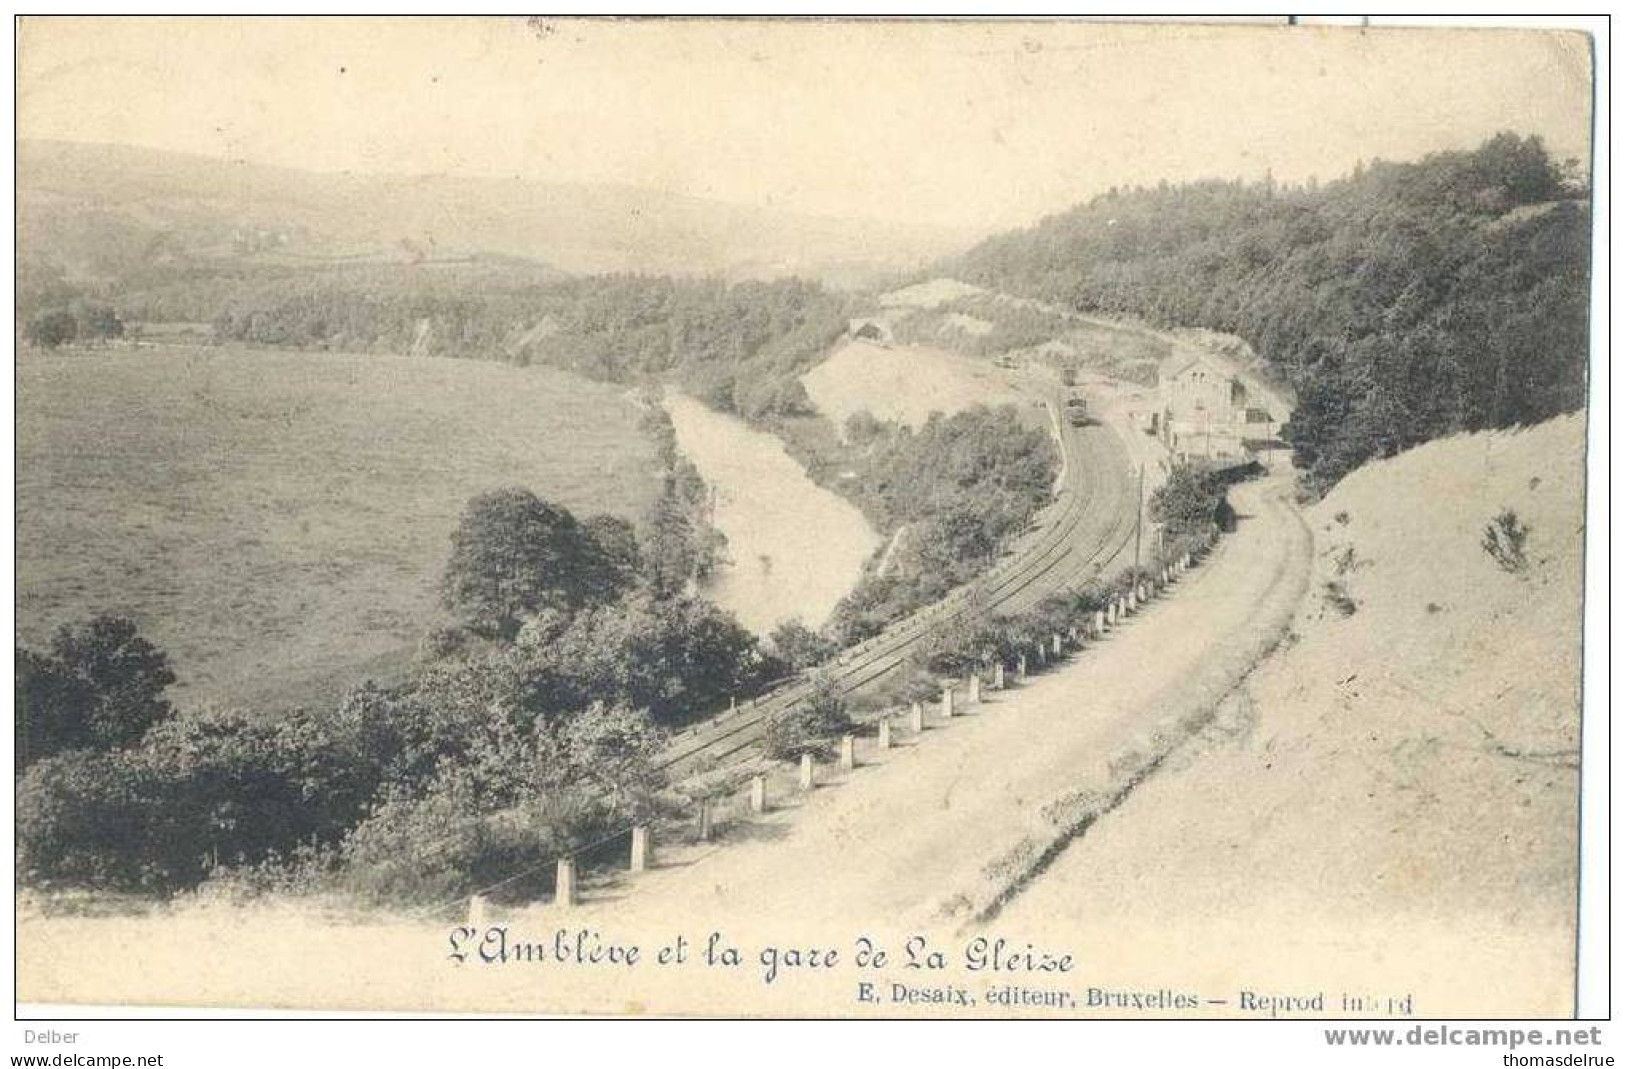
{"x": 642, "y": 845}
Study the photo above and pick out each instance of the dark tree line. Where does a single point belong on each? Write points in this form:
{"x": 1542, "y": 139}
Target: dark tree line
{"x": 78, "y": 320}
{"x": 1405, "y": 302}
{"x": 739, "y": 347}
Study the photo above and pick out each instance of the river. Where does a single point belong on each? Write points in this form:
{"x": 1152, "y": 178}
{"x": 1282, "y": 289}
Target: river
{"x": 794, "y": 548}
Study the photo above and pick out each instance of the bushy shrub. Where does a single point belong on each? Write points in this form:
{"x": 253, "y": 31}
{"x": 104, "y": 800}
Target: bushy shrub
{"x": 1505, "y": 539}
{"x": 810, "y": 726}
{"x": 444, "y": 843}
{"x": 796, "y": 647}
{"x": 515, "y": 804}
{"x": 52, "y": 328}
{"x": 1340, "y": 288}
{"x": 1189, "y": 501}
{"x": 965, "y": 643}
{"x": 205, "y": 789}
{"x": 99, "y": 686}
{"x": 679, "y": 658}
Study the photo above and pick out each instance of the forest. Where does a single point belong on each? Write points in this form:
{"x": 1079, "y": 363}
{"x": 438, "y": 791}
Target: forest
{"x": 739, "y": 347}
{"x": 1404, "y": 302}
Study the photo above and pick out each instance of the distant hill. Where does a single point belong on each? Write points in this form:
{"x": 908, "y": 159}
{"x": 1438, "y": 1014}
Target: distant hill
{"x": 96, "y": 212}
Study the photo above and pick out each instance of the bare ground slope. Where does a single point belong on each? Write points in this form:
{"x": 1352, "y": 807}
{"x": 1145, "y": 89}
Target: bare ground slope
{"x": 905, "y": 383}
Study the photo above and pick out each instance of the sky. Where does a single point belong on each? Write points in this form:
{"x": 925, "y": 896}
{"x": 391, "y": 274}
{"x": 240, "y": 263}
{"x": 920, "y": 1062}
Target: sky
{"x": 962, "y": 125}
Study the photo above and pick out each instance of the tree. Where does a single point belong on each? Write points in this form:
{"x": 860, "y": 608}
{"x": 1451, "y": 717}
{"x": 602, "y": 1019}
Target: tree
{"x": 437, "y": 717}
{"x": 614, "y": 749}
{"x": 50, "y": 704}
{"x": 680, "y": 545}
{"x": 101, "y": 686}
{"x": 82, "y": 819}
{"x": 671, "y": 560}
{"x": 52, "y": 328}
{"x": 612, "y": 561}
{"x": 513, "y": 555}
{"x": 809, "y": 726}
{"x": 799, "y": 646}
{"x": 98, "y": 321}
{"x": 1188, "y": 502}
{"x": 676, "y": 657}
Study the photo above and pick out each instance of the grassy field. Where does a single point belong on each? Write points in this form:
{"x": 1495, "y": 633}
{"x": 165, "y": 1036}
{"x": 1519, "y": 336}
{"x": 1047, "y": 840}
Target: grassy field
{"x": 276, "y": 520}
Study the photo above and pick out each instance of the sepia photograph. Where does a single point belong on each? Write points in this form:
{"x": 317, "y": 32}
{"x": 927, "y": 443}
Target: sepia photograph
{"x": 804, "y": 518}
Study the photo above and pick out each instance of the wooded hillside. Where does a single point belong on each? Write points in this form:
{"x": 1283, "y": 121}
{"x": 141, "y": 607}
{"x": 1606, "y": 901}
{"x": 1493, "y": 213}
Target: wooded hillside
{"x": 1404, "y": 302}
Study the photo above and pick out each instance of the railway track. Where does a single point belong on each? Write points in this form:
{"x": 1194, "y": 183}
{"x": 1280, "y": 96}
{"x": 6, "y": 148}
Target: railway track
{"x": 1086, "y": 528}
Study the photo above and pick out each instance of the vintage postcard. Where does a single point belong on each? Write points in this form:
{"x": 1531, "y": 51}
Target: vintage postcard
{"x": 801, "y": 517}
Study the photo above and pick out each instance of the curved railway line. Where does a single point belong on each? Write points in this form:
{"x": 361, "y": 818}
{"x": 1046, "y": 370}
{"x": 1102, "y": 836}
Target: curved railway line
{"x": 1086, "y": 529}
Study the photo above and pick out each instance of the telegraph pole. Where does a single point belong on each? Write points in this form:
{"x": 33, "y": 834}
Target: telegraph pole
{"x": 1139, "y": 516}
